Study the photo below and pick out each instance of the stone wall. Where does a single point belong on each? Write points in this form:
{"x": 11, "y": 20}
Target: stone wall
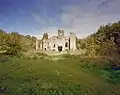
{"x": 52, "y": 44}
{"x": 72, "y": 41}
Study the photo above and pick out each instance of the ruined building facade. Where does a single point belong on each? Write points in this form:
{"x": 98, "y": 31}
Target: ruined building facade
{"x": 57, "y": 43}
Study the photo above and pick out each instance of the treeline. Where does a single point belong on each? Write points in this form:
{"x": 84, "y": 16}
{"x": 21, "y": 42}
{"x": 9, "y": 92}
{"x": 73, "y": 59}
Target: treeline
{"x": 105, "y": 42}
{"x": 14, "y": 43}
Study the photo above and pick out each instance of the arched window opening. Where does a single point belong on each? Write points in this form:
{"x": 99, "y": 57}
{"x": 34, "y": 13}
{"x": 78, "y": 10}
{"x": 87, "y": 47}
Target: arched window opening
{"x": 45, "y": 49}
{"x": 66, "y": 44}
{"x": 54, "y": 45}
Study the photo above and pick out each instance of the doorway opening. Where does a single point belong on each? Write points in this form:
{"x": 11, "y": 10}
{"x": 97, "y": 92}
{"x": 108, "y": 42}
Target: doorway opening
{"x": 59, "y": 48}
{"x": 45, "y": 49}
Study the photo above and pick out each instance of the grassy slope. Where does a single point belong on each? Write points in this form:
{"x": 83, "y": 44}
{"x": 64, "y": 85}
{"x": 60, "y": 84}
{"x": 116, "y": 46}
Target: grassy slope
{"x": 47, "y": 77}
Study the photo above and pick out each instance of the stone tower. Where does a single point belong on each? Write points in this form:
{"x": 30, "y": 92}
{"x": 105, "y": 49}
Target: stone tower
{"x": 60, "y": 33}
{"x": 37, "y": 42}
{"x": 72, "y": 41}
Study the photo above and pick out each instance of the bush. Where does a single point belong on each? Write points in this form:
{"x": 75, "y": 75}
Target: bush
{"x": 3, "y": 58}
{"x": 13, "y": 44}
{"x": 41, "y": 54}
{"x": 71, "y": 56}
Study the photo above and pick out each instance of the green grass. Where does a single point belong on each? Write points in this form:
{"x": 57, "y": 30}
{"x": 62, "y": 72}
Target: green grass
{"x": 69, "y": 76}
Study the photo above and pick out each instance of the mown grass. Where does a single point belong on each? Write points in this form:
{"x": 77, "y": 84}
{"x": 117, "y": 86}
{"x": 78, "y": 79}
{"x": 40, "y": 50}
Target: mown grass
{"x": 72, "y": 75}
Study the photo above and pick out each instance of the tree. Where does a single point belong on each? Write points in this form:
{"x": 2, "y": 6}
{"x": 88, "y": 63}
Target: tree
{"x": 3, "y": 37}
{"x": 106, "y": 41}
{"x": 13, "y": 43}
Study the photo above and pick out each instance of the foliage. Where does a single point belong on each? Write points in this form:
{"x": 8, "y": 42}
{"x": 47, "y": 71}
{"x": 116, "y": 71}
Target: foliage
{"x": 3, "y": 37}
{"x": 13, "y": 43}
{"x": 80, "y": 76}
{"x": 28, "y": 42}
{"x": 105, "y": 42}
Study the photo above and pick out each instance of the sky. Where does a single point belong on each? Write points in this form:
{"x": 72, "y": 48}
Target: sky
{"x": 35, "y": 17}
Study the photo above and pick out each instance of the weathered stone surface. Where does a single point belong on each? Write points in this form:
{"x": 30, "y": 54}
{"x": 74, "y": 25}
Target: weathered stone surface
{"x": 58, "y": 43}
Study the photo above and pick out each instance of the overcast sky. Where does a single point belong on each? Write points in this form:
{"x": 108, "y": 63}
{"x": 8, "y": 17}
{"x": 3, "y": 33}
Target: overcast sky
{"x": 34, "y": 17}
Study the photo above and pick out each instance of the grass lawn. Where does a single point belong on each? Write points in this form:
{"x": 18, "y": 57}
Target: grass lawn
{"x": 70, "y": 76}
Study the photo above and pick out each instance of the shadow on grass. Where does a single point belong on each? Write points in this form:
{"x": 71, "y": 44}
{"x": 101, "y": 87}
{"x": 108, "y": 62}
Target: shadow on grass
{"x": 108, "y": 72}
{"x": 3, "y": 58}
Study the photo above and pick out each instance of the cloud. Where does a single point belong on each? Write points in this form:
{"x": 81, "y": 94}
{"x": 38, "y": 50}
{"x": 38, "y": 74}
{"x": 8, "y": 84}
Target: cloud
{"x": 104, "y": 3}
{"x": 50, "y": 30}
{"x": 110, "y": 6}
{"x": 42, "y": 19}
{"x": 84, "y": 20}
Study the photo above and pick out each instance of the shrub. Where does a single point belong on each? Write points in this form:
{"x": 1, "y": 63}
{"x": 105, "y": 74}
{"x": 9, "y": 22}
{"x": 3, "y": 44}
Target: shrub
{"x": 13, "y": 44}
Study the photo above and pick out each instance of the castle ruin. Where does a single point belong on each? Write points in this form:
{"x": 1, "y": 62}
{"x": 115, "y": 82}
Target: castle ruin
{"x": 57, "y": 43}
